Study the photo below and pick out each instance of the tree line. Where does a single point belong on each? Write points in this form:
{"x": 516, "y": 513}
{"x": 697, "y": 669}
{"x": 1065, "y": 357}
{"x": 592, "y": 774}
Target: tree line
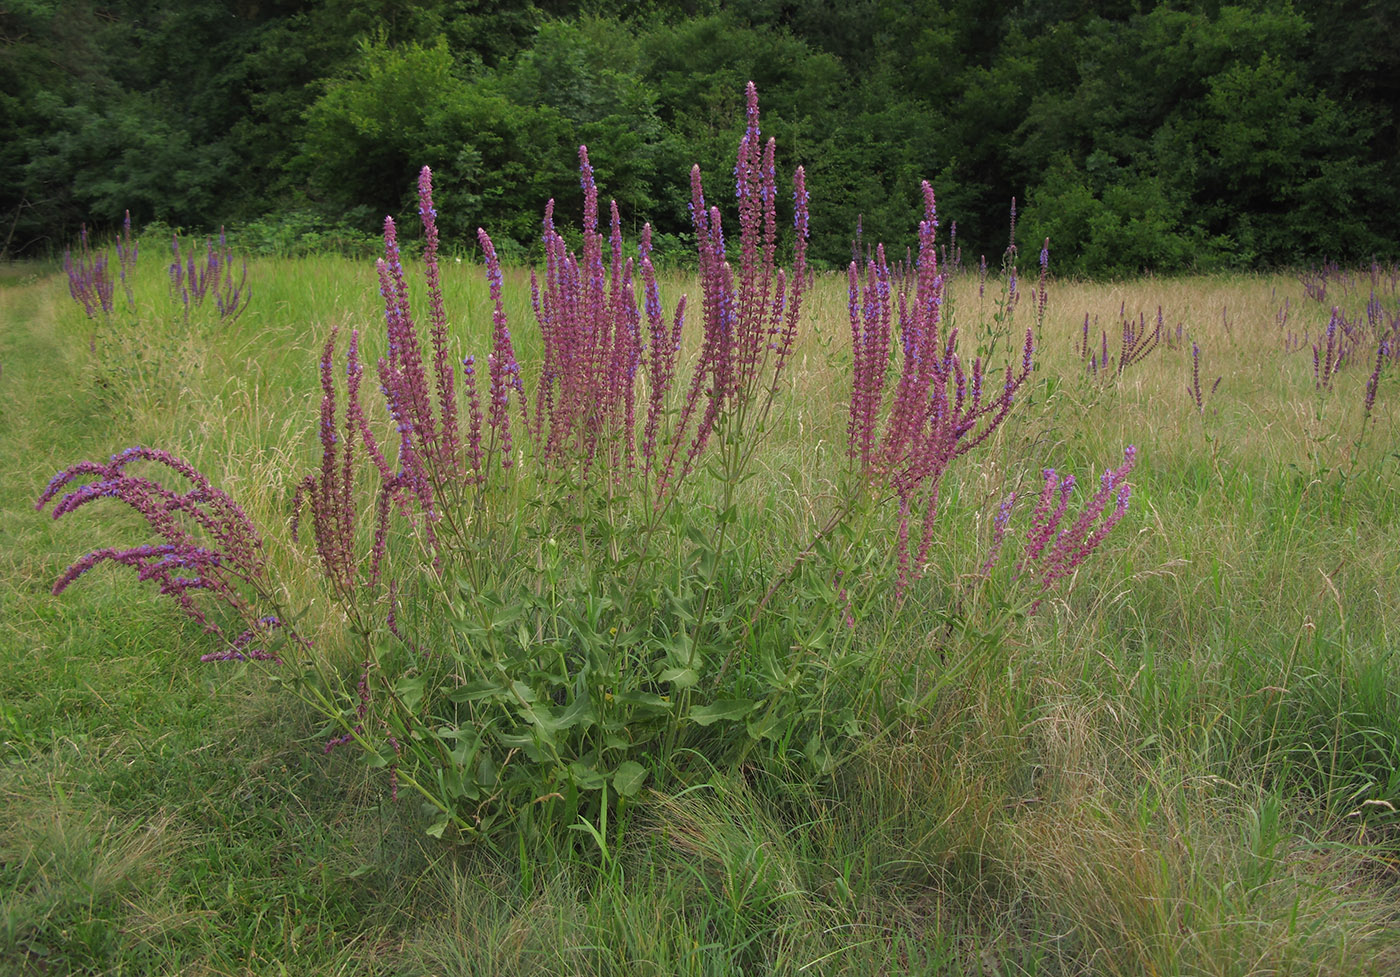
{"x": 1136, "y": 136}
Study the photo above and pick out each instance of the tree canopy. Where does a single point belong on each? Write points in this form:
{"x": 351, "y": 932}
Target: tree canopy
{"x": 1166, "y": 137}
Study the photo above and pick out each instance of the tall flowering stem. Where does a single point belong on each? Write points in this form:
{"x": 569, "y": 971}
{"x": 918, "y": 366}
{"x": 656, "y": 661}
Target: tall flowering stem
{"x": 449, "y": 441}
{"x": 501, "y": 362}
{"x": 209, "y": 551}
{"x": 1053, "y": 551}
{"x": 329, "y": 494}
{"x": 904, "y": 438}
{"x": 1331, "y": 350}
{"x": 1373, "y": 382}
{"x": 1194, "y": 388}
{"x": 591, "y": 328}
{"x": 749, "y": 321}
{"x": 750, "y": 315}
{"x": 403, "y": 378}
{"x": 1138, "y": 342}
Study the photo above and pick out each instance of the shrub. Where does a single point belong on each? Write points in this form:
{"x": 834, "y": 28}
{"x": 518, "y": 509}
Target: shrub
{"x": 564, "y": 587}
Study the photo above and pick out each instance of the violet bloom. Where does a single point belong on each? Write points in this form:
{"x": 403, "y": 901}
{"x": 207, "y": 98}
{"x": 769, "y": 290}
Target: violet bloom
{"x": 936, "y": 410}
{"x": 209, "y": 550}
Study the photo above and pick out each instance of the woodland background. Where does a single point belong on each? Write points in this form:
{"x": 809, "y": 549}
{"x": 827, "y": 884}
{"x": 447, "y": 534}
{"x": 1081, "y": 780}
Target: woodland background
{"x": 1168, "y": 137}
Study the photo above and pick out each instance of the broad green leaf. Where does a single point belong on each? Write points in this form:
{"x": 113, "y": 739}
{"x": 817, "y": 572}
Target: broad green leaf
{"x": 766, "y": 727}
{"x": 644, "y": 701}
{"x": 578, "y": 712}
{"x": 474, "y": 691}
{"x": 818, "y": 754}
{"x": 731, "y": 710}
{"x": 681, "y": 678}
{"x": 410, "y": 689}
{"x": 628, "y": 778}
{"x": 526, "y": 743}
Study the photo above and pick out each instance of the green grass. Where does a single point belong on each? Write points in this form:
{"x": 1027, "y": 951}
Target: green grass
{"x": 1185, "y": 764}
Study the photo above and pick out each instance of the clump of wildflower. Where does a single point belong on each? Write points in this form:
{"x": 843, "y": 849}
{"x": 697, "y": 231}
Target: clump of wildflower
{"x": 502, "y": 365}
{"x": 1329, "y": 352}
{"x": 1374, "y": 380}
{"x": 1138, "y": 342}
{"x": 449, "y": 442}
{"x": 330, "y": 494}
{"x": 905, "y": 439}
{"x": 1053, "y": 551}
{"x": 89, "y": 281}
{"x": 749, "y": 318}
{"x": 591, "y": 328}
{"x": 193, "y": 278}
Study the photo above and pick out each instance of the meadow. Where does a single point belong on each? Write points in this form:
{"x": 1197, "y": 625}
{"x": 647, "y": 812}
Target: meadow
{"x": 1181, "y": 758}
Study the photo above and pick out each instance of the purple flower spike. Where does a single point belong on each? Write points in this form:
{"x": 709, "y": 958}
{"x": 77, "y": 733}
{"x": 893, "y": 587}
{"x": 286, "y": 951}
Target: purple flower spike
{"x": 936, "y": 409}
{"x": 1053, "y": 553}
{"x": 209, "y": 550}
{"x": 503, "y": 368}
{"x": 89, "y": 282}
{"x": 448, "y": 443}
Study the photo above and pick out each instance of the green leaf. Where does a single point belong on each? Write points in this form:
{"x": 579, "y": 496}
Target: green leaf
{"x": 766, "y": 727}
{"x": 578, "y": 712}
{"x": 587, "y": 776}
{"x": 680, "y": 678}
{"x": 527, "y": 743}
{"x": 410, "y": 690}
{"x": 697, "y": 536}
{"x": 644, "y": 702}
{"x": 628, "y": 778}
{"x": 474, "y": 691}
{"x": 730, "y": 710}
{"x": 818, "y": 754}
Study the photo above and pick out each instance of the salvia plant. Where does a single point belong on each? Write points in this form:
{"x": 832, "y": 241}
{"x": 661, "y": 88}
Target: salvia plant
{"x": 1373, "y": 382}
{"x": 1329, "y": 352}
{"x": 1199, "y": 396}
{"x": 89, "y": 281}
{"x": 1365, "y": 314}
{"x": 1136, "y": 343}
{"x": 549, "y": 574}
{"x": 195, "y": 276}
{"x": 1054, "y": 546}
{"x": 210, "y": 558}
{"x": 903, "y": 437}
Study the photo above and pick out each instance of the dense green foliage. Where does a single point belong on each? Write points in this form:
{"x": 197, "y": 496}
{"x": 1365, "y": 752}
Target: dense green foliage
{"x": 1137, "y": 136}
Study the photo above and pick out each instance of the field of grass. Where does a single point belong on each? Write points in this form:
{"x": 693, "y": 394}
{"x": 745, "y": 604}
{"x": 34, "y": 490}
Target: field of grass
{"x": 1188, "y": 762}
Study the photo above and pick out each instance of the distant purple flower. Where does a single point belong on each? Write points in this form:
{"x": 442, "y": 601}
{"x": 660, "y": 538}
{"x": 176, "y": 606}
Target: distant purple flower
{"x": 1373, "y": 382}
{"x": 89, "y": 282}
{"x": 1194, "y": 388}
